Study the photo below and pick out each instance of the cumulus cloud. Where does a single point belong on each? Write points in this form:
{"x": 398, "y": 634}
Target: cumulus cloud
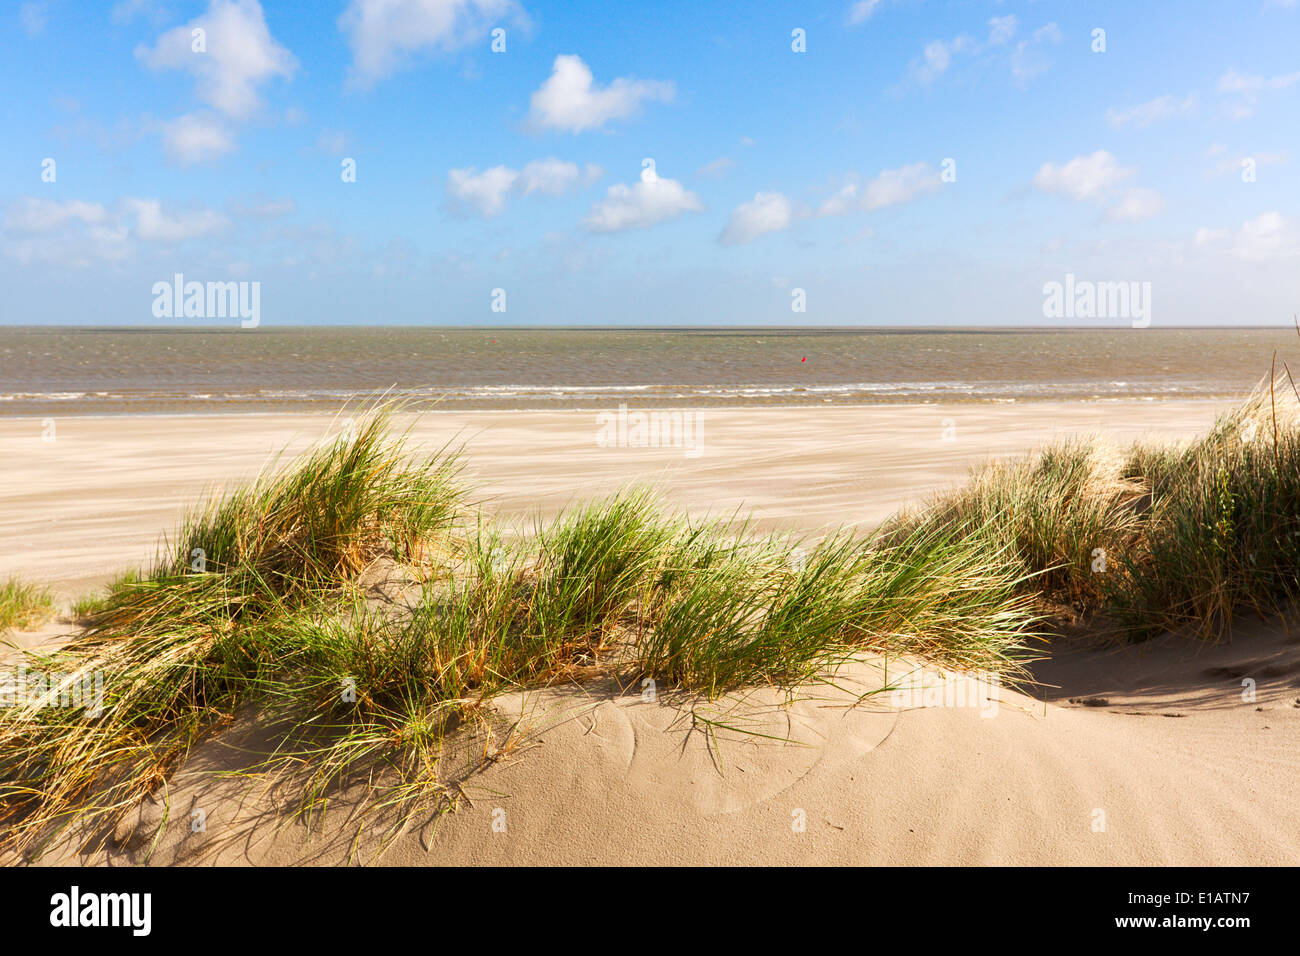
{"x": 891, "y": 187}
{"x": 196, "y": 138}
{"x": 650, "y": 201}
{"x": 77, "y": 233}
{"x": 1097, "y": 178}
{"x": 155, "y": 224}
{"x": 554, "y": 177}
{"x": 1084, "y": 177}
{"x": 485, "y": 193}
{"x": 766, "y": 213}
{"x": 570, "y": 100}
{"x": 385, "y": 35}
{"x": 1266, "y": 237}
{"x": 241, "y": 56}
{"x": 1144, "y": 114}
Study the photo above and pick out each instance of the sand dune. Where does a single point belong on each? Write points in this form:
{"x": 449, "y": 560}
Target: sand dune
{"x": 1122, "y": 756}
{"x": 1147, "y": 757}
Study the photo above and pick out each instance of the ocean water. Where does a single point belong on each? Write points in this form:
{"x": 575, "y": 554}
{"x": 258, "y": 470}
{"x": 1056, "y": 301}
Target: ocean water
{"x": 81, "y": 371}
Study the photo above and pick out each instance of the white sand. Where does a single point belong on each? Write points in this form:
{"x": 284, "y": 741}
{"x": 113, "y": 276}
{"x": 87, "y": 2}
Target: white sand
{"x": 98, "y": 498}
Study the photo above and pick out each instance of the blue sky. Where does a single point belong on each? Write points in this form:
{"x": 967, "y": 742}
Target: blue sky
{"x": 773, "y": 170}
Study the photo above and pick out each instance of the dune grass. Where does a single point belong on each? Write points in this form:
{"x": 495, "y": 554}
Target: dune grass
{"x": 1154, "y": 540}
{"x": 258, "y": 602}
{"x": 24, "y": 606}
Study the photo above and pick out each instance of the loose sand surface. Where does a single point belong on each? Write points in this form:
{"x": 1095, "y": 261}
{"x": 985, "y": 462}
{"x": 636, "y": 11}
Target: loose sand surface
{"x": 99, "y": 496}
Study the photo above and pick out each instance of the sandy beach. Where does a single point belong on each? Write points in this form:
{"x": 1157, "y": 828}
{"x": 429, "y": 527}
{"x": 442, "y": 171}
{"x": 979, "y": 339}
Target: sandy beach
{"x": 1066, "y": 772}
{"x": 96, "y": 499}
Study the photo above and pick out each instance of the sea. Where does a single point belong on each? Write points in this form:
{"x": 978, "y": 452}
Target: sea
{"x": 102, "y": 371}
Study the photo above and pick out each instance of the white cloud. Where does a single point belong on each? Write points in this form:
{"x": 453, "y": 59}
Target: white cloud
{"x": 1002, "y": 29}
{"x": 1026, "y": 58}
{"x": 1234, "y": 82}
{"x": 486, "y": 193}
{"x": 1084, "y": 177}
{"x": 936, "y": 58}
{"x": 570, "y": 100}
{"x": 895, "y": 186}
{"x": 650, "y": 201}
{"x": 30, "y": 215}
{"x": 891, "y": 187}
{"x": 1247, "y": 88}
{"x": 154, "y": 224}
{"x": 862, "y": 10}
{"x": 67, "y": 234}
{"x": 765, "y": 213}
{"x": 384, "y": 35}
{"x": 241, "y": 55}
{"x": 76, "y": 233}
{"x": 1029, "y": 60}
{"x": 196, "y": 138}
{"x": 1144, "y": 114}
{"x": 555, "y": 177}
{"x": 1268, "y": 236}
{"x": 483, "y": 192}
{"x": 1097, "y": 178}
{"x": 1265, "y": 237}
{"x": 1135, "y": 205}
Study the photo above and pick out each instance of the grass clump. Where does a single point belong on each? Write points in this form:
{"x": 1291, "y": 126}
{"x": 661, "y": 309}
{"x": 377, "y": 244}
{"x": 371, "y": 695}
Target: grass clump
{"x": 726, "y": 614}
{"x": 1050, "y": 517}
{"x": 1223, "y": 532}
{"x": 24, "y": 606}
{"x": 217, "y": 623}
{"x": 291, "y": 534}
{"x": 1157, "y": 539}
